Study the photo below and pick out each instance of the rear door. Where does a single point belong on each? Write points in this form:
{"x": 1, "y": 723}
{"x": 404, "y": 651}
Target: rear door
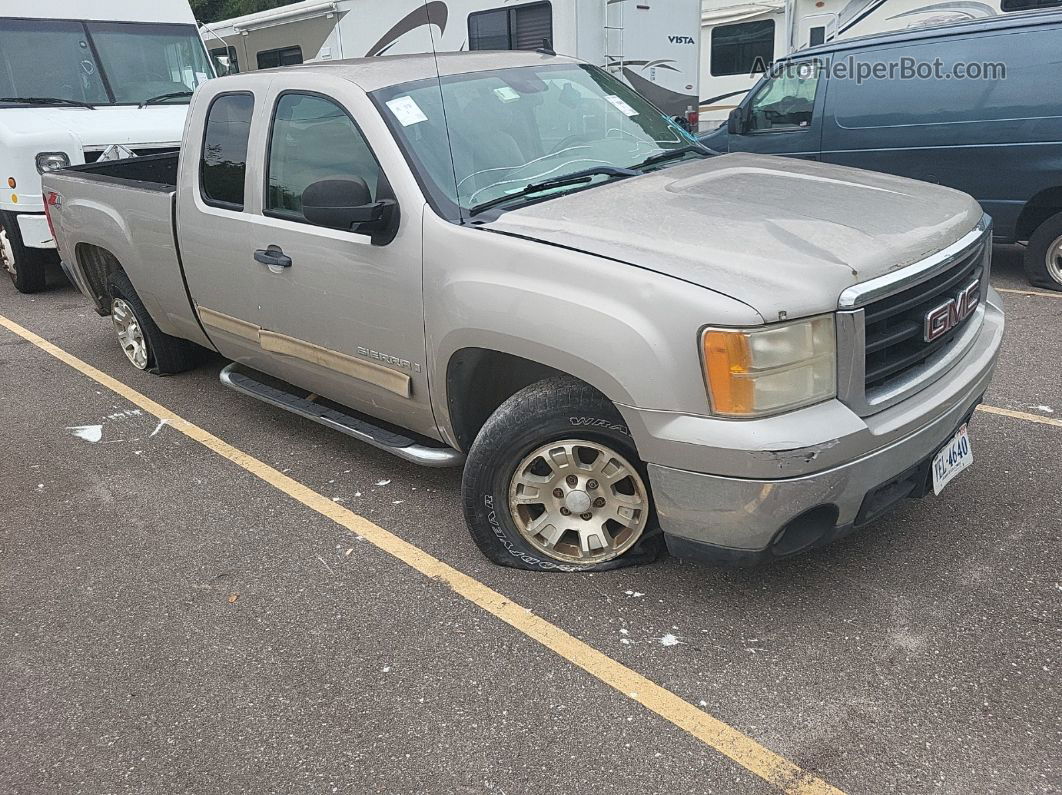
{"x": 783, "y": 114}
{"x": 216, "y": 217}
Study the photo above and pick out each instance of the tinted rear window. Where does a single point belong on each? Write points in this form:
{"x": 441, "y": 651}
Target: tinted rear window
{"x": 224, "y": 162}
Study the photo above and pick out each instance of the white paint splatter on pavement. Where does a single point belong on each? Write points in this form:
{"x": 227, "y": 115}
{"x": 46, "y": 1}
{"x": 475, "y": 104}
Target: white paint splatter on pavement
{"x": 668, "y": 640}
{"x": 90, "y": 433}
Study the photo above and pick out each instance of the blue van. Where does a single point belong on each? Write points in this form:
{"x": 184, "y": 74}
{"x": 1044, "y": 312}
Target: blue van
{"x": 992, "y": 132}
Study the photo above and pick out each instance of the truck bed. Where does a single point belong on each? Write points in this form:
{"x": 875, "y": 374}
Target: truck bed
{"x": 152, "y": 172}
{"x": 121, "y": 213}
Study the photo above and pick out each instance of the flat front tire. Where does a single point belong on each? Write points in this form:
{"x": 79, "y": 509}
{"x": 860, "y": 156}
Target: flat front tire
{"x": 1043, "y": 257}
{"x": 553, "y": 482}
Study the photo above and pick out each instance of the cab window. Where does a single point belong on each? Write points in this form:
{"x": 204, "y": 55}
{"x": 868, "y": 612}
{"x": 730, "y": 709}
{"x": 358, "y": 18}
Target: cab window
{"x": 224, "y": 161}
{"x": 312, "y": 139}
{"x": 786, "y": 102}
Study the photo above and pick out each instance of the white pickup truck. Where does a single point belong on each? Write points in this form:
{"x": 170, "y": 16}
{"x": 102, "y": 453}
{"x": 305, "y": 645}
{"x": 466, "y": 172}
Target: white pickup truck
{"x": 514, "y": 259}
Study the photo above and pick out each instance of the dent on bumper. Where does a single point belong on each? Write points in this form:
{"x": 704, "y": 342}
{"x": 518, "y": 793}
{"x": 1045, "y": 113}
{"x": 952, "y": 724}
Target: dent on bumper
{"x": 744, "y": 514}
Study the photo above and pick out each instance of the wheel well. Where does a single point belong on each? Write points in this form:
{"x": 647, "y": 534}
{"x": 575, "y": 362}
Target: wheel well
{"x": 1037, "y": 210}
{"x": 97, "y": 264}
{"x": 479, "y": 380}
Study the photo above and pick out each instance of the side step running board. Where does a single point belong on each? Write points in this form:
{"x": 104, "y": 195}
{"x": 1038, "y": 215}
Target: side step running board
{"x": 272, "y": 391}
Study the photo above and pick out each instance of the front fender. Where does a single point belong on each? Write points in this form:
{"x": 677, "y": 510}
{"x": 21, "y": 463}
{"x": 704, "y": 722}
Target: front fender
{"x": 631, "y": 333}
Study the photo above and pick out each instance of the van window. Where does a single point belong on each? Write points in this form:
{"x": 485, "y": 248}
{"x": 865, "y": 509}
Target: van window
{"x": 520, "y": 28}
{"x": 1029, "y": 5}
{"x": 786, "y": 102}
{"x": 1031, "y": 66}
{"x": 224, "y": 161}
{"x": 284, "y": 56}
{"x": 225, "y": 60}
{"x": 312, "y": 139}
{"x": 742, "y": 49}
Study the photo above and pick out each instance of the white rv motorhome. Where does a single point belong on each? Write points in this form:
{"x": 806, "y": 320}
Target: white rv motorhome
{"x": 739, "y": 38}
{"x": 80, "y": 81}
{"x": 652, "y": 44}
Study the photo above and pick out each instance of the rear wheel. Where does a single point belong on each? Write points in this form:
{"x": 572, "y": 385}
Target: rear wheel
{"x": 1043, "y": 257}
{"x": 143, "y": 343}
{"x": 25, "y": 266}
{"x": 554, "y": 483}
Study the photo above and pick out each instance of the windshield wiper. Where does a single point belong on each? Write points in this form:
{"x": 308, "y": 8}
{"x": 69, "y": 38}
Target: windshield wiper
{"x": 164, "y": 97}
{"x": 673, "y": 154}
{"x": 575, "y": 178}
{"x": 76, "y": 103}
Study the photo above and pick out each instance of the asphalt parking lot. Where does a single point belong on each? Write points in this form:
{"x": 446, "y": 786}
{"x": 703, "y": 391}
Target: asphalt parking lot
{"x": 173, "y": 620}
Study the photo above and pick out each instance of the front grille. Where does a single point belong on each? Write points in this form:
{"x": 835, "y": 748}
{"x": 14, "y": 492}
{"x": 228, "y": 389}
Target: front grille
{"x": 894, "y": 325}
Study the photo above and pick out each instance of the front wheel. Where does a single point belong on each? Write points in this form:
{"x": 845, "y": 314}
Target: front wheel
{"x": 1043, "y": 257}
{"x": 553, "y": 482}
{"x": 26, "y": 266}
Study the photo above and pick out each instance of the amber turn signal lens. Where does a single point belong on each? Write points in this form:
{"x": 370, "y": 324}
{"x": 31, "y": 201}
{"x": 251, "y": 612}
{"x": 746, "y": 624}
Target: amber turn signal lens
{"x": 726, "y": 354}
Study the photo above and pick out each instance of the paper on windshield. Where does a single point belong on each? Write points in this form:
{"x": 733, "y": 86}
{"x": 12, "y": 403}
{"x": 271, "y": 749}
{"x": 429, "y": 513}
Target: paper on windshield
{"x": 406, "y": 110}
{"x": 621, "y": 106}
{"x": 506, "y": 94}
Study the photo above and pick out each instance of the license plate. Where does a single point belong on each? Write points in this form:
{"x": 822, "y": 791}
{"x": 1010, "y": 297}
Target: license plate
{"x": 955, "y": 456}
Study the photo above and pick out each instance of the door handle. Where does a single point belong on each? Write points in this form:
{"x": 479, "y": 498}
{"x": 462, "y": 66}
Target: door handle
{"x": 272, "y": 256}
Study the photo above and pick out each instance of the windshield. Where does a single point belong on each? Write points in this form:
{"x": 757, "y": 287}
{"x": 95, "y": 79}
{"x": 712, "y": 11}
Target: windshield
{"x": 511, "y": 128}
{"x": 102, "y": 63}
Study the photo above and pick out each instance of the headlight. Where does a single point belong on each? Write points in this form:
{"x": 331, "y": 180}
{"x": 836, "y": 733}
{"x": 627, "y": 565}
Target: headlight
{"x": 52, "y": 161}
{"x": 755, "y": 372}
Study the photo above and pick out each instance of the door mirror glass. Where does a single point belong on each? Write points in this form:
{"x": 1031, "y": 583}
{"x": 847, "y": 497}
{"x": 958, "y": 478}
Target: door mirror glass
{"x": 346, "y": 204}
{"x": 787, "y": 100}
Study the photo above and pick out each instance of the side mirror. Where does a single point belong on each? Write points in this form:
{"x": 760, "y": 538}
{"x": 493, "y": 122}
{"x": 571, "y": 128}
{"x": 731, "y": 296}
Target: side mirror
{"x": 735, "y": 122}
{"x": 345, "y": 203}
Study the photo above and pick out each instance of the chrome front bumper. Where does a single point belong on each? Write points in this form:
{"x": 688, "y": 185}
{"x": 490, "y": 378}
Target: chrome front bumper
{"x": 836, "y": 459}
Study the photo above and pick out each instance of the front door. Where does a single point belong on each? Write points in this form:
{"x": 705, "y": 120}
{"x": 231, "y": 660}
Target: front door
{"x": 350, "y": 326}
{"x": 783, "y": 115}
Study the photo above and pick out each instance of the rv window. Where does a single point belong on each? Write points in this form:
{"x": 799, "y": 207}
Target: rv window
{"x": 1029, "y": 5}
{"x": 817, "y": 35}
{"x": 284, "y": 56}
{"x": 312, "y": 139}
{"x": 224, "y": 160}
{"x": 521, "y": 28}
{"x": 743, "y": 49}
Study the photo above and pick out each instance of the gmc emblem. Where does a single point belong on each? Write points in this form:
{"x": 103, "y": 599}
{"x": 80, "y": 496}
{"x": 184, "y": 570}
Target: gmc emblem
{"x": 948, "y": 315}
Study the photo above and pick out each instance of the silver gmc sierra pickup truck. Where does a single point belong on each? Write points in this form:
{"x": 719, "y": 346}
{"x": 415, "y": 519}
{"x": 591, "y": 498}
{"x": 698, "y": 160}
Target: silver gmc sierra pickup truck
{"x": 513, "y": 262}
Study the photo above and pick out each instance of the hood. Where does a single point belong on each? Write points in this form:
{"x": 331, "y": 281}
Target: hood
{"x": 93, "y": 128}
{"x": 784, "y": 236}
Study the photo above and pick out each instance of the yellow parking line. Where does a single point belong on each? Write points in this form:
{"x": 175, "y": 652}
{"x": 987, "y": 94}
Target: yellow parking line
{"x": 1028, "y": 292}
{"x": 773, "y": 768}
{"x": 1020, "y": 415}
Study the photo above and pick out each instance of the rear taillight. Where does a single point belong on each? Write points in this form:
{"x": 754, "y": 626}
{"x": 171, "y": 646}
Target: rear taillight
{"x": 51, "y": 199}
